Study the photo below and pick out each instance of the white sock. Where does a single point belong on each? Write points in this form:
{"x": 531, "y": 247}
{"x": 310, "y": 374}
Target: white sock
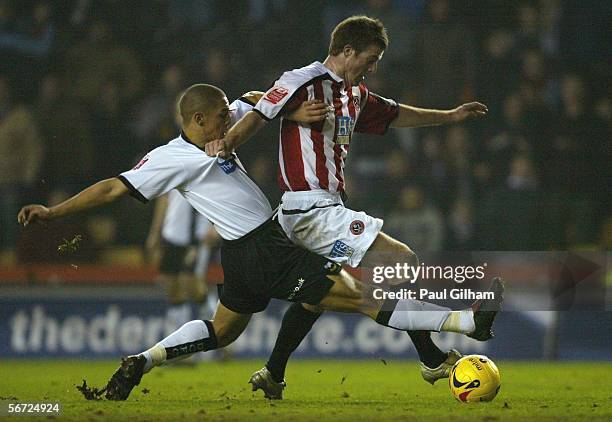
{"x": 460, "y": 322}
{"x": 412, "y": 315}
{"x": 194, "y": 336}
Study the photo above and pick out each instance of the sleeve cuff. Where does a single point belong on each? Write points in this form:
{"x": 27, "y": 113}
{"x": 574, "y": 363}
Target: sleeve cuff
{"x": 133, "y": 191}
{"x": 246, "y": 101}
{"x": 263, "y": 116}
{"x": 391, "y": 120}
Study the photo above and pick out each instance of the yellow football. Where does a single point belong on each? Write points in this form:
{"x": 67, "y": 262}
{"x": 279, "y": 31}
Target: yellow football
{"x": 474, "y": 378}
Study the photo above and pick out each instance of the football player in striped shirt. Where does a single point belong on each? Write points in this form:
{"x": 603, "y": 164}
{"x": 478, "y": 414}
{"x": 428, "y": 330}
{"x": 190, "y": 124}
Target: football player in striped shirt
{"x": 311, "y": 174}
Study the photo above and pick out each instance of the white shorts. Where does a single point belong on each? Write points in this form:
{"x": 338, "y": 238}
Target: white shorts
{"x": 318, "y": 221}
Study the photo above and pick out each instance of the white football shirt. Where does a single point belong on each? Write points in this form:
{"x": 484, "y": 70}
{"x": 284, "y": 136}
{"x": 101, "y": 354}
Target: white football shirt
{"x": 183, "y": 225}
{"x": 218, "y": 189}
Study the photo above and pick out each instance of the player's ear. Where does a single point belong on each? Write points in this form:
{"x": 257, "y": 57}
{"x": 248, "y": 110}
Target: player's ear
{"x": 348, "y": 50}
{"x": 199, "y": 118}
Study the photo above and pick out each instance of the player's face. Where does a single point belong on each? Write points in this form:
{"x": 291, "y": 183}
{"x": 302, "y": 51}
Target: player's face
{"x": 218, "y": 121}
{"x": 358, "y": 65}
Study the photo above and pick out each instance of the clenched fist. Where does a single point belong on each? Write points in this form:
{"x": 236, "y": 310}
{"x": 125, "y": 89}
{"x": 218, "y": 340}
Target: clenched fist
{"x": 217, "y": 147}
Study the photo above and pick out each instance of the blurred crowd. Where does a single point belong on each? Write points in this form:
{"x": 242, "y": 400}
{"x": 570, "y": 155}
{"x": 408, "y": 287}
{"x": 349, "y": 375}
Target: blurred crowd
{"x": 88, "y": 86}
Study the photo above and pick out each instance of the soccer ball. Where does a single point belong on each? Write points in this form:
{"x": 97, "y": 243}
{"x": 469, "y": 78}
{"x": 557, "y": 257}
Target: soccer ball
{"x": 474, "y": 378}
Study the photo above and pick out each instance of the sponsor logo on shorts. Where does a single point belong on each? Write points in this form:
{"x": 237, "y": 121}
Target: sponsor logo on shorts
{"x": 357, "y": 227}
{"x": 332, "y": 267}
{"x": 228, "y": 166}
{"x": 341, "y": 249}
{"x": 296, "y": 288}
{"x": 275, "y": 95}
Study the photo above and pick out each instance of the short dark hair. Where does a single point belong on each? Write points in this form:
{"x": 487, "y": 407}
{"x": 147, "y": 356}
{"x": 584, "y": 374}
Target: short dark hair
{"x": 359, "y": 32}
{"x": 198, "y": 98}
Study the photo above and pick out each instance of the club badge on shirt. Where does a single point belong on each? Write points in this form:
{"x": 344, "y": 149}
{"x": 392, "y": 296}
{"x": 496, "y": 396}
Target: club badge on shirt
{"x": 344, "y": 130}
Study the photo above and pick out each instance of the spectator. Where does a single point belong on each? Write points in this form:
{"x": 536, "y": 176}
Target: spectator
{"x": 21, "y": 154}
{"x": 445, "y": 58}
{"x": 510, "y": 217}
{"x": 416, "y": 222}
{"x": 497, "y": 71}
{"x": 460, "y": 226}
{"x": 64, "y": 127}
{"x": 26, "y": 45}
{"x": 115, "y": 150}
{"x": 154, "y": 121}
{"x": 100, "y": 59}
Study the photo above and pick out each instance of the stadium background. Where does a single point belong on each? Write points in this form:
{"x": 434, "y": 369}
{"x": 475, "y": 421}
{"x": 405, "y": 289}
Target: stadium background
{"x": 86, "y": 87}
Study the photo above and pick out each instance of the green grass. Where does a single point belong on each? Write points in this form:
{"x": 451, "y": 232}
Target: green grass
{"x": 371, "y": 390}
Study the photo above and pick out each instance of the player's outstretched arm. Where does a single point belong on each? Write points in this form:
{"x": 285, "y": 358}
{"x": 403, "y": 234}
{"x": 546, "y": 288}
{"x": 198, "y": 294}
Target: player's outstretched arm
{"x": 94, "y": 196}
{"x": 409, "y": 116}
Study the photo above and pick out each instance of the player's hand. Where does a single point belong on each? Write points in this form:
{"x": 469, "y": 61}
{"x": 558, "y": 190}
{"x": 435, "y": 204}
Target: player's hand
{"x": 33, "y": 213}
{"x": 465, "y": 111}
{"x": 218, "y": 147}
{"x": 311, "y": 111}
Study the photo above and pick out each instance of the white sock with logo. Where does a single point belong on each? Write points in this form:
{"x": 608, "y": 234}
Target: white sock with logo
{"x": 413, "y": 315}
{"x": 194, "y": 336}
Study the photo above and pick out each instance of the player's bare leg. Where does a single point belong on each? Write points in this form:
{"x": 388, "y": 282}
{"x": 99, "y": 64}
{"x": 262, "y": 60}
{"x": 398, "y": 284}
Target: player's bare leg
{"x": 434, "y": 363}
{"x": 194, "y": 336}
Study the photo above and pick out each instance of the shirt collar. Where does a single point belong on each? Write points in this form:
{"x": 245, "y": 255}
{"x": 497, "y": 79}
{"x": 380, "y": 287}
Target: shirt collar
{"x": 185, "y": 138}
{"x": 329, "y": 71}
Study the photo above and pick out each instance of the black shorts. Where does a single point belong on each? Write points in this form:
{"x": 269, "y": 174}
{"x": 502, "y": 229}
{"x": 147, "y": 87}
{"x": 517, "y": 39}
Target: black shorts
{"x": 264, "y": 264}
{"x": 174, "y": 259}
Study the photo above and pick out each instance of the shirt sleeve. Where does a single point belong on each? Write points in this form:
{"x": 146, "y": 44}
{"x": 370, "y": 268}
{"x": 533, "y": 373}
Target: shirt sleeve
{"x": 156, "y": 174}
{"x": 377, "y": 115}
{"x": 239, "y": 108}
{"x": 285, "y": 96}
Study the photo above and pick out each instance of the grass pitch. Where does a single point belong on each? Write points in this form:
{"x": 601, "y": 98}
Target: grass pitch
{"x": 317, "y": 391}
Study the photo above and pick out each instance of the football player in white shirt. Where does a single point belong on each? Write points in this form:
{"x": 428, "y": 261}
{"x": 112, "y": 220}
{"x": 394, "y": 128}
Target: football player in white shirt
{"x": 258, "y": 259}
{"x": 311, "y": 175}
{"x": 179, "y": 242}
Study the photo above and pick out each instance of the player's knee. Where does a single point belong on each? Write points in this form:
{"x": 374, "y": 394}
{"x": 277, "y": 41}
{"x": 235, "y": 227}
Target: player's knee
{"x": 349, "y": 296}
{"x": 392, "y": 252}
{"x": 407, "y": 255}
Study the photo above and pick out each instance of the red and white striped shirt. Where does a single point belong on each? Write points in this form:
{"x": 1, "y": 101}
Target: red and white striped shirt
{"x": 312, "y": 156}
